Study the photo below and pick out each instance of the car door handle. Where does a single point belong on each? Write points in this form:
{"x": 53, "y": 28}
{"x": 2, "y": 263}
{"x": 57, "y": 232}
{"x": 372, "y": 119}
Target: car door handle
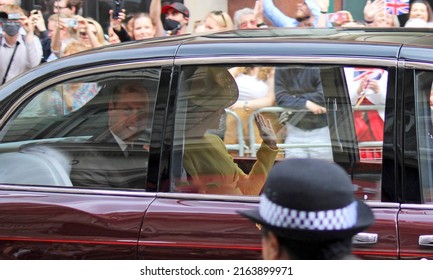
{"x": 425, "y": 240}
{"x": 365, "y": 238}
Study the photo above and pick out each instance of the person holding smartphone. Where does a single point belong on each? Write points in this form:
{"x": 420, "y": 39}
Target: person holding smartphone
{"x": 19, "y": 52}
{"x": 37, "y": 19}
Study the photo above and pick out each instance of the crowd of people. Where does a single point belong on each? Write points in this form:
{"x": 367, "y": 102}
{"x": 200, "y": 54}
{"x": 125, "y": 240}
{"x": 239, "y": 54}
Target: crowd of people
{"x": 45, "y": 37}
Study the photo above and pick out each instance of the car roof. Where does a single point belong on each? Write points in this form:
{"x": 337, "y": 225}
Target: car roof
{"x": 412, "y": 36}
{"x": 373, "y": 42}
{"x": 421, "y": 37}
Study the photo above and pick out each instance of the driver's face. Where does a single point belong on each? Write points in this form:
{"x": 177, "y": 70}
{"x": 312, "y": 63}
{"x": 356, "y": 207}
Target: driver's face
{"x": 128, "y": 115}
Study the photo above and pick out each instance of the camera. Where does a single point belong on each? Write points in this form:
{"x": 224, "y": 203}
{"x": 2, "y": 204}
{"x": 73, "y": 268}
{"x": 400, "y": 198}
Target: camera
{"x": 14, "y": 16}
{"x": 118, "y": 5}
{"x": 3, "y": 16}
{"x": 71, "y": 22}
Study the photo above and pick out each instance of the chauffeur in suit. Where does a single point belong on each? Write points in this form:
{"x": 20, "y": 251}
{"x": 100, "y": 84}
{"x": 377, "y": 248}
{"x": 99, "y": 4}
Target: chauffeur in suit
{"x": 118, "y": 157}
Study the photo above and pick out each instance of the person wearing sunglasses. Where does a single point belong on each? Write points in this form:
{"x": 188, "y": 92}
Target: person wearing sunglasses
{"x": 218, "y": 21}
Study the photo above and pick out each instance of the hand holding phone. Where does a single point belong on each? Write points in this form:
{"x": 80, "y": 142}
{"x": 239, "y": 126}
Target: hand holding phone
{"x": 117, "y": 8}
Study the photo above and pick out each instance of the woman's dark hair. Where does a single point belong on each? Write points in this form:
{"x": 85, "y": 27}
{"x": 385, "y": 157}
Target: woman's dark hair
{"x": 428, "y": 6}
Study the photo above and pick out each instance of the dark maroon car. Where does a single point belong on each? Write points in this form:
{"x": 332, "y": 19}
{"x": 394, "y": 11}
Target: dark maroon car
{"x": 69, "y": 189}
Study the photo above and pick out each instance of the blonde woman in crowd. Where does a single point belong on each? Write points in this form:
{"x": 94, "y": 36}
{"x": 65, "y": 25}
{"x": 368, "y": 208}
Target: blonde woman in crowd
{"x": 61, "y": 34}
{"x": 74, "y": 46}
{"x": 218, "y": 21}
{"x": 90, "y": 32}
{"x": 140, "y": 27}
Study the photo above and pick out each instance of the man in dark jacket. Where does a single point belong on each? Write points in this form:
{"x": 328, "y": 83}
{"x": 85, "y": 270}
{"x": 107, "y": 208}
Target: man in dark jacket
{"x": 118, "y": 157}
{"x": 300, "y": 90}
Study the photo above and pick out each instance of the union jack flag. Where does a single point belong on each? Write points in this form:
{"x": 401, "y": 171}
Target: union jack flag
{"x": 370, "y": 73}
{"x": 397, "y": 7}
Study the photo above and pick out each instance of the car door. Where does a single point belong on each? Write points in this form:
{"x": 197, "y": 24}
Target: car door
{"x": 68, "y": 189}
{"x": 415, "y": 219}
{"x": 188, "y": 222}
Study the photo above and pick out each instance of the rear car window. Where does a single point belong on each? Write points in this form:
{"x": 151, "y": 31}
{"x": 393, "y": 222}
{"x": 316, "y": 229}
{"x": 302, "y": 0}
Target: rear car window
{"x": 334, "y": 113}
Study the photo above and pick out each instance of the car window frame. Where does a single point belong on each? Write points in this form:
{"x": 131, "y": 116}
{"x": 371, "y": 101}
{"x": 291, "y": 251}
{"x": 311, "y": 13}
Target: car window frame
{"x": 388, "y": 62}
{"x": 22, "y": 97}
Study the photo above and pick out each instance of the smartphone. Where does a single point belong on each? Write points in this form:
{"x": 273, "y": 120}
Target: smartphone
{"x": 36, "y": 9}
{"x": 71, "y": 22}
{"x": 118, "y": 5}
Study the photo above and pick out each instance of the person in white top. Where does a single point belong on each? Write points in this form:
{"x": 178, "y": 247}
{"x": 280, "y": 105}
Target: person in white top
{"x": 19, "y": 52}
{"x": 256, "y": 90}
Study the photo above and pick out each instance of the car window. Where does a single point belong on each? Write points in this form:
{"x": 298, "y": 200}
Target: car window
{"x": 61, "y": 99}
{"x": 424, "y": 133}
{"x": 330, "y": 112}
{"x": 91, "y": 131}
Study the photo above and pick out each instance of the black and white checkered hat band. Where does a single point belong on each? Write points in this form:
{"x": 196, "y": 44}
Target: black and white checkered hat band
{"x": 337, "y": 219}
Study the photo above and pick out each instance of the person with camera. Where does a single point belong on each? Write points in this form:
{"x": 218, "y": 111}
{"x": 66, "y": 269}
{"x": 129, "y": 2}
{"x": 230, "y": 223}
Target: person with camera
{"x": 37, "y": 19}
{"x": 141, "y": 26}
{"x": 62, "y": 29}
{"x": 19, "y": 52}
{"x": 90, "y": 32}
